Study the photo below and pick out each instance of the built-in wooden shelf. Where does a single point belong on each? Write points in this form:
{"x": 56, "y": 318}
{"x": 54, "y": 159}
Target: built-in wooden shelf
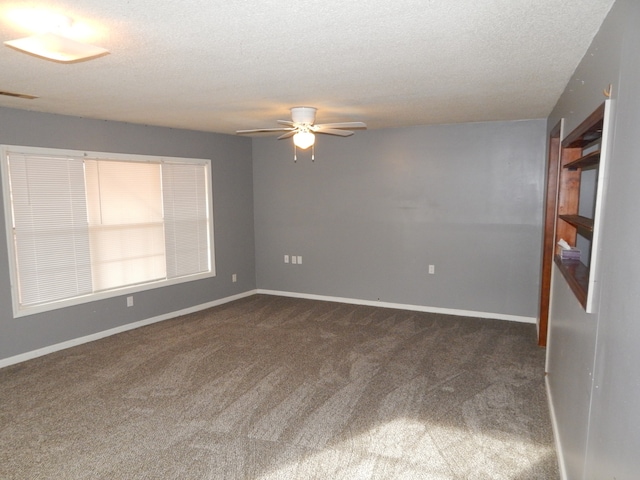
{"x": 576, "y": 274}
{"x": 584, "y": 224}
{"x": 582, "y": 149}
{"x": 590, "y": 160}
{"x": 588, "y": 131}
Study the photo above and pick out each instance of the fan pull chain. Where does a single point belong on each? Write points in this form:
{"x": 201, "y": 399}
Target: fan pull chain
{"x": 295, "y": 153}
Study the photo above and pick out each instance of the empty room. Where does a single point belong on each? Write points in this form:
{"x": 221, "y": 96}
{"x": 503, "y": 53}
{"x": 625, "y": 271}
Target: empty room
{"x": 309, "y": 240}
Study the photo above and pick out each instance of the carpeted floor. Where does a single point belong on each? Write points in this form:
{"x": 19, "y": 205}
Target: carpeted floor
{"x": 273, "y": 388}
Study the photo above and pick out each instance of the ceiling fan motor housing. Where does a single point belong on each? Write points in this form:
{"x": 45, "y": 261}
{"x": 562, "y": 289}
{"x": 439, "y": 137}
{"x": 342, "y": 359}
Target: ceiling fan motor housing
{"x": 303, "y": 115}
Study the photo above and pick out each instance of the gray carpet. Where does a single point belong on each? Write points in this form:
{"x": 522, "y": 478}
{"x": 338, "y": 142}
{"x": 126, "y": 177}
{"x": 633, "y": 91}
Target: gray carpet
{"x": 276, "y": 388}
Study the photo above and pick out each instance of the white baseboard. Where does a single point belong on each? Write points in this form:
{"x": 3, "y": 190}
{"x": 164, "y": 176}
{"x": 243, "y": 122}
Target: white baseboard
{"x": 402, "y": 306}
{"x": 556, "y": 434}
{"x": 113, "y": 331}
{"x": 130, "y": 326}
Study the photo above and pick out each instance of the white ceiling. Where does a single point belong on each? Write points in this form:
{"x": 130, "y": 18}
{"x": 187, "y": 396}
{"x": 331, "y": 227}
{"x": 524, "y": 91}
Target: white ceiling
{"x": 225, "y": 65}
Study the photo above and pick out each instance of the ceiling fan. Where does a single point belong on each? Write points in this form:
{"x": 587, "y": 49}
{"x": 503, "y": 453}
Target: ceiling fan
{"x": 303, "y": 129}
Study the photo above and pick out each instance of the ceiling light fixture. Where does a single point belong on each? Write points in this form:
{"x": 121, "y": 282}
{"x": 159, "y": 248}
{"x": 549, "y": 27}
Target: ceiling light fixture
{"x": 59, "y": 48}
{"x": 302, "y": 128}
{"x": 304, "y": 139}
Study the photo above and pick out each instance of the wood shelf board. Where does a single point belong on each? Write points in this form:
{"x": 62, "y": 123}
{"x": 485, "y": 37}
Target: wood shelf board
{"x": 576, "y": 274}
{"x": 590, "y": 160}
{"x": 582, "y": 223}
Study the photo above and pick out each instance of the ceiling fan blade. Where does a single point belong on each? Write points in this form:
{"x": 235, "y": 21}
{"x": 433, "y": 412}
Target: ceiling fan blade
{"x": 287, "y": 135}
{"x": 260, "y": 130}
{"x": 287, "y": 122}
{"x": 334, "y": 131}
{"x": 341, "y": 125}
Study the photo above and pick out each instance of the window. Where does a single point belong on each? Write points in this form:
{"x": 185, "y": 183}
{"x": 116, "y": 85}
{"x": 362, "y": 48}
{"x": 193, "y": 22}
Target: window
{"x": 86, "y": 225}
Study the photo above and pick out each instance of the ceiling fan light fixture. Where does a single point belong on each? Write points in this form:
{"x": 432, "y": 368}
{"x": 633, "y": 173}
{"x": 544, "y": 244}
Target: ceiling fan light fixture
{"x": 58, "y": 48}
{"x": 304, "y": 139}
{"x": 302, "y": 128}
{"x": 305, "y": 115}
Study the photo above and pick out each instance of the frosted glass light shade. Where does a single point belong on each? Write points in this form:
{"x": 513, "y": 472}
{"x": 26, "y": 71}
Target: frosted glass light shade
{"x": 304, "y": 140}
{"x": 57, "y": 48}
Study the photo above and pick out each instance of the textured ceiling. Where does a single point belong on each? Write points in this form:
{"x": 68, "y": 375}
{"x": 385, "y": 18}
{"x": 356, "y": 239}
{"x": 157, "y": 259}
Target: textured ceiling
{"x": 221, "y": 66}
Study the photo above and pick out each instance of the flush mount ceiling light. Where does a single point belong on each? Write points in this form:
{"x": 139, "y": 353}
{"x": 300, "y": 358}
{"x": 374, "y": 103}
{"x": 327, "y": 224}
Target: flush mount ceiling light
{"x": 53, "y": 45}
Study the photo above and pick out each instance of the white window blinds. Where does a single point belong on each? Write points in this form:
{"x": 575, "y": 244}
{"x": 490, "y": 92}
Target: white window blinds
{"x": 83, "y": 225}
{"x": 50, "y": 234}
{"x": 186, "y": 217}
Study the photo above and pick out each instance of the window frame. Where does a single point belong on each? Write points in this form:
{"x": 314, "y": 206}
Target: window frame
{"x": 21, "y": 311}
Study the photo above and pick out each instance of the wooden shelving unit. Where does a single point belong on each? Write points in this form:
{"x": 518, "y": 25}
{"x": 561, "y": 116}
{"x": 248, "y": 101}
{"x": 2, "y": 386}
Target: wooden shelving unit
{"x": 584, "y": 148}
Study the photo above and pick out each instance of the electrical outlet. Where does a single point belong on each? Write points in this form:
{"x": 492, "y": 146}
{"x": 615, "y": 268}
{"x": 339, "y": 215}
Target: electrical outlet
{"x": 432, "y": 269}
{"x": 299, "y": 259}
{"x": 294, "y": 259}
{"x": 129, "y": 301}
{"x": 286, "y": 259}
{"x": 234, "y": 278}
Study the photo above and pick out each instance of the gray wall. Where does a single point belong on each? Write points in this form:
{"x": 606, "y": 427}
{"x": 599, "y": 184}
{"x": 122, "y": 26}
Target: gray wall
{"x": 594, "y": 360}
{"x": 233, "y": 217}
{"x": 374, "y": 210}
